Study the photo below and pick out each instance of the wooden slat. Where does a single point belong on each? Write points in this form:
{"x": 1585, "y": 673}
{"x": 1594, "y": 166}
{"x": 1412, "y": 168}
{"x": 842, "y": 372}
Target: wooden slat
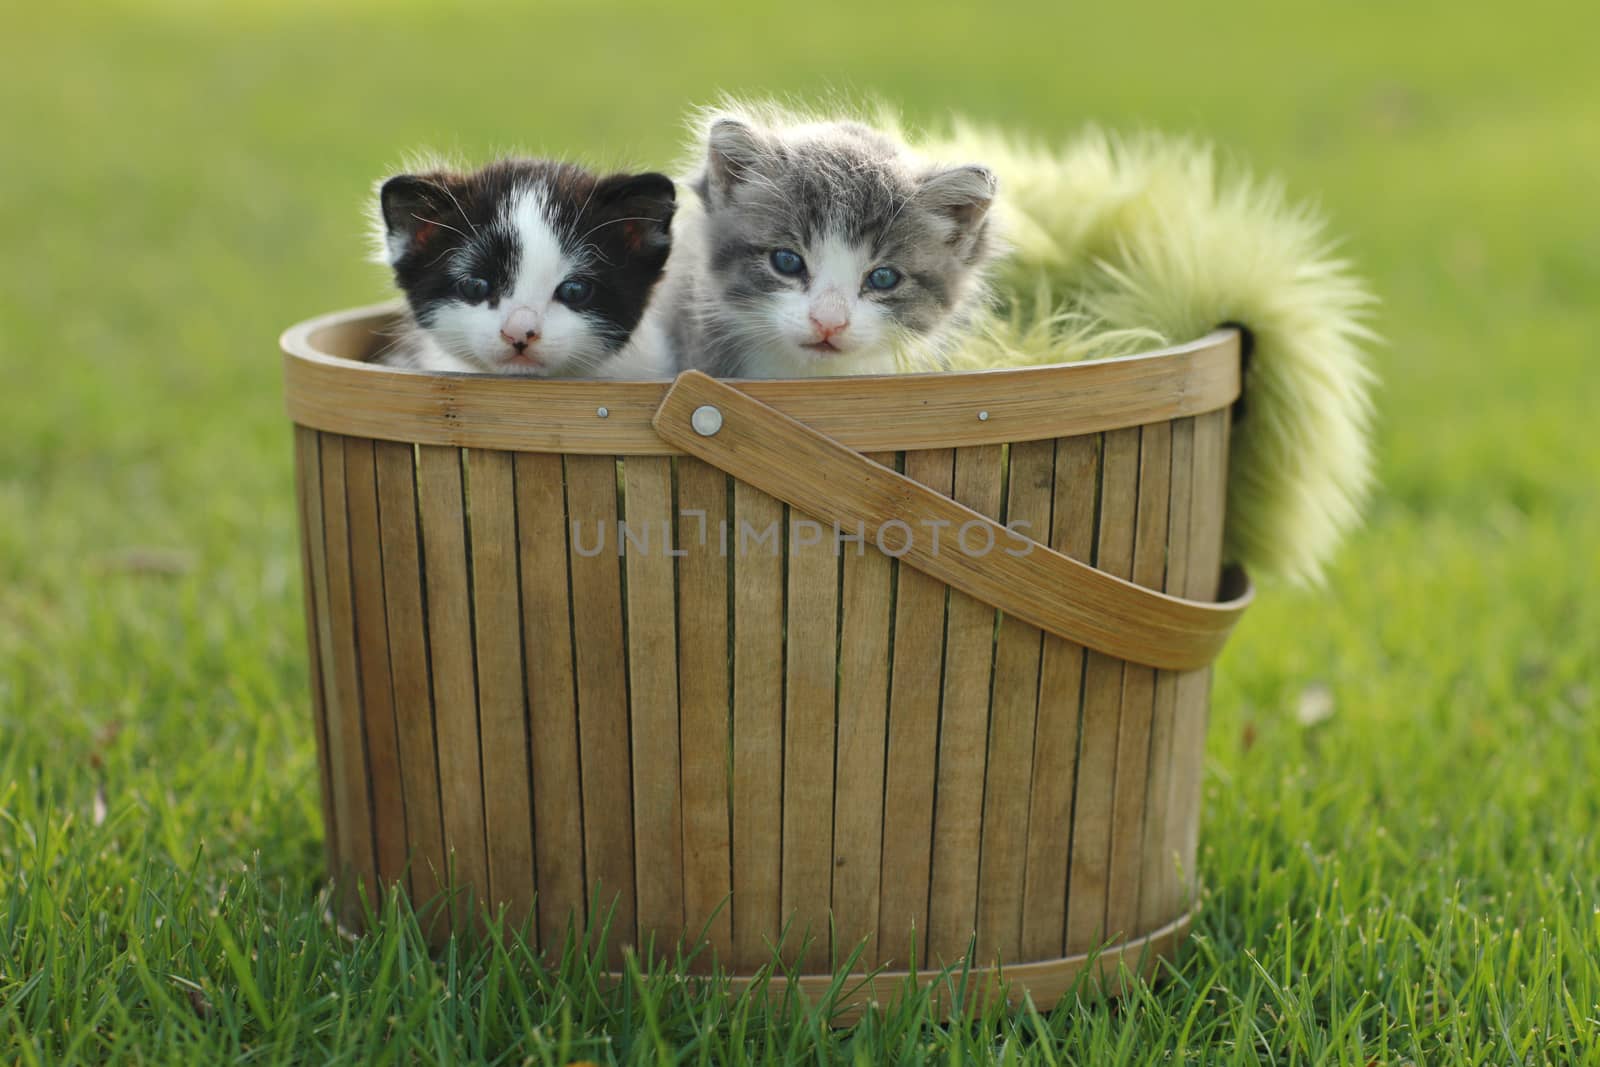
{"x": 372, "y": 644}
{"x": 653, "y": 678}
{"x": 1138, "y": 692}
{"x": 916, "y": 682}
{"x": 601, "y": 657}
{"x": 1055, "y": 750}
{"x": 963, "y": 725}
{"x": 552, "y": 698}
{"x": 810, "y": 471}
{"x": 1194, "y": 687}
{"x": 703, "y": 693}
{"x": 327, "y": 387}
{"x": 757, "y": 723}
{"x": 347, "y": 747}
{"x": 408, "y": 668}
{"x": 863, "y": 722}
{"x": 1102, "y": 700}
{"x": 1015, "y": 702}
{"x": 455, "y": 697}
{"x": 308, "y": 489}
{"x": 1159, "y": 900}
{"x": 809, "y": 692}
{"x": 502, "y": 711}
{"x": 1209, "y": 504}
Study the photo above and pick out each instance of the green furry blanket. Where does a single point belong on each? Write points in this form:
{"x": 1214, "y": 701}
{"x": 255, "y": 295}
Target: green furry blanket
{"x": 1120, "y": 245}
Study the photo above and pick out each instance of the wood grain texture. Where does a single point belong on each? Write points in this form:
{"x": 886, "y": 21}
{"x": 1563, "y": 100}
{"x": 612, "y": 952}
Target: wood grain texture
{"x": 858, "y": 804}
{"x": 385, "y": 788}
{"x": 1159, "y": 899}
{"x": 547, "y": 657}
{"x": 653, "y": 685}
{"x": 1138, "y": 692}
{"x": 327, "y": 386}
{"x": 1102, "y": 702}
{"x": 704, "y": 689}
{"x": 963, "y": 721}
{"x": 1210, "y": 490}
{"x": 347, "y": 745}
{"x": 916, "y": 682}
{"x": 408, "y": 671}
{"x": 441, "y": 505}
{"x": 809, "y": 694}
{"x": 1014, "y": 706}
{"x": 762, "y": 447}
{"x": 1194, "y": 687}
{"x": 1055, "y": 746}
{"x": 308, "y": 491}
{"x": 502, "y": 707}
{"x": 603, "y": 732}
{"x": 758, "y": 614}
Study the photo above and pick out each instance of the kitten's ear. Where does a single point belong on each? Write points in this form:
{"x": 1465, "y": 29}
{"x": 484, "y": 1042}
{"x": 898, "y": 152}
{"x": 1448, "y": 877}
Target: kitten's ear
{"x": 412, "y": 208}
{"x": 734, "y": 151}
{"x": 644, "y": 205}
{"x": 963, "y": 195}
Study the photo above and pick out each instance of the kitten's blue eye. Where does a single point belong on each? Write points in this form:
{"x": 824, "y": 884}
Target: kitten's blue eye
{"x": 472, "y": 290}
{"x": 575, "y": 292}
{"x": 786, "y": 261}
{"x": 883, "y": 278}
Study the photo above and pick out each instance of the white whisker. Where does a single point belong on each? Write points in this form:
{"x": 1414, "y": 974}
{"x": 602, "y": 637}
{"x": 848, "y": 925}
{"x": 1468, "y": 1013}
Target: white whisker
{"x": 464, "y": 217}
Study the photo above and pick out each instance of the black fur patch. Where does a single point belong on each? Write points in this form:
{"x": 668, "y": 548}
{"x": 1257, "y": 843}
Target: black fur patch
{"x": 452, "y": 225}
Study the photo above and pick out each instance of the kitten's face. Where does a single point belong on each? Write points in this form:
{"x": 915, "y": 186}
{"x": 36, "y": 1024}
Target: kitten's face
{"x": 830, "y": 252}
{"x": 528, "y": 267}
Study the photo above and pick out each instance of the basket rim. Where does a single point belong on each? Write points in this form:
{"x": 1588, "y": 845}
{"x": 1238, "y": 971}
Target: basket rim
{"x": 329, "y": 391}
{"x": 1045, "y": 981}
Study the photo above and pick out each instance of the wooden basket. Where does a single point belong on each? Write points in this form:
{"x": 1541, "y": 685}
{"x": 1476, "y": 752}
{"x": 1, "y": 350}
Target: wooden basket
{"x": 748, "y": 724}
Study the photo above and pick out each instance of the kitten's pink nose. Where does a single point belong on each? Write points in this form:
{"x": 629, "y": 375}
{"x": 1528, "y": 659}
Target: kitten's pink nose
{"x": 829, "y": 324}
{"x": 521, "y": 328}
{"x": 830, "y": 314}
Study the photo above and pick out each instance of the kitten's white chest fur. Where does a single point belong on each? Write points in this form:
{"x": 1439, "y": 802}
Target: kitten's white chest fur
{"x": 646, "y": 355}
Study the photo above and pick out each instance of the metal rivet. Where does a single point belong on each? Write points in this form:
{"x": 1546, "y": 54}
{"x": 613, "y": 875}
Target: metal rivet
{"x": 602, "y": 412}
{"x": 983, "y": 416}
{"x": 706, "y": 420}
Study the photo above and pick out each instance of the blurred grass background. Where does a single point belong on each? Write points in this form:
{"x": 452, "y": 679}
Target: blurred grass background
{"x": 1414, "y": 877}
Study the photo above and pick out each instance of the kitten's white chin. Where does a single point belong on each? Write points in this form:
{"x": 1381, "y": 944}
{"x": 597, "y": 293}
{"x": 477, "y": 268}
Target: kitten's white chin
{"x": 800, "y": 362}
{"x": 519, "y": 365}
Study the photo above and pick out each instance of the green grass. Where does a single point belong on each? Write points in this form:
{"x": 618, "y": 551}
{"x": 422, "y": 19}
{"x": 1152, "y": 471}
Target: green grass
{"x": 1415, "y": 879}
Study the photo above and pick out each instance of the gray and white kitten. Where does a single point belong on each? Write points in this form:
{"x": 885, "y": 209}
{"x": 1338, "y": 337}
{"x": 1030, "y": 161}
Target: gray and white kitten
{"x": 823, "y": 248}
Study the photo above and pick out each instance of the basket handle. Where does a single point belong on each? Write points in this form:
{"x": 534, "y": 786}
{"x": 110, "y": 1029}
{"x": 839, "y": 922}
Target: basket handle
{"x": 760, "y": 445}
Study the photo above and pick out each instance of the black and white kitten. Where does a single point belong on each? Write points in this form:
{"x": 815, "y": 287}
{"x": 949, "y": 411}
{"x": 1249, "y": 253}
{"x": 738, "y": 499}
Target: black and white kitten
{"x": 822, "y": 248}
{"x": 526, "y": 267}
